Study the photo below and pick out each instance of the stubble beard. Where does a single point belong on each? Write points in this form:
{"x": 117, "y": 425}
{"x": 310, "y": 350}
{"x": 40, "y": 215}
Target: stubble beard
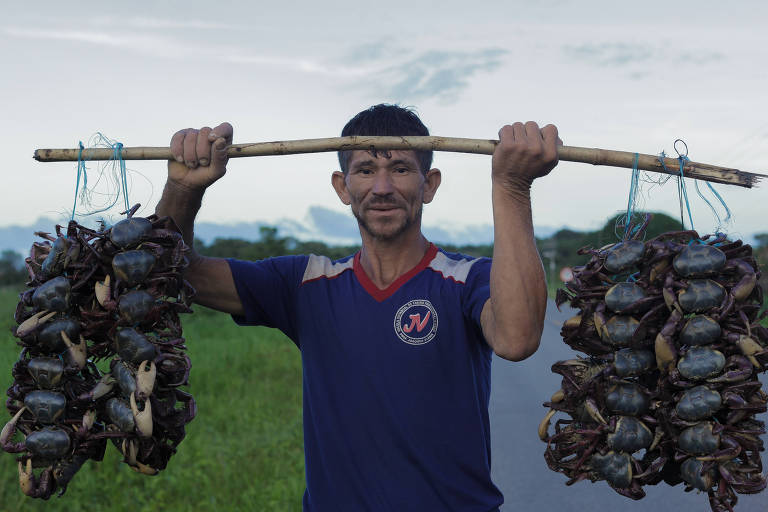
{"x": 387, "y": 235}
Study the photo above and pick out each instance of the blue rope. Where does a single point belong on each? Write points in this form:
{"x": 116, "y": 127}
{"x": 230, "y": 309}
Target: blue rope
{"x": 683, "y": 159}
{"x": 632, "y": 197}
{"x": 118, "y": 150}
{"x": 80, "y": 170}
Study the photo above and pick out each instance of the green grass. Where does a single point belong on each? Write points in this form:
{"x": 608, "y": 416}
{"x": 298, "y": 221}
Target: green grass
{"x": 243, "y": 451}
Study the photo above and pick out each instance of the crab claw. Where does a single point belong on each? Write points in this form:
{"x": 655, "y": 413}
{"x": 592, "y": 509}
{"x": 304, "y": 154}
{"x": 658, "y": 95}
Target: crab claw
{"x": 27, "y": 478}
{"x": 594, "y": 412}
{"x": 129, "y": 450}
{"x": 30, "y": 324}
{"x": 143, "y": 418}
{"x": 557, "y": 396}
{"x": 78, "y": 352}
{"x": 749, "y": 348}
{"x": 145, "y": 379}
{"x": 544, "y": 425}
{"x": 144, "y": 469}
{"x": 103, "y": 291}
{"x": 104, "y": 386}
{"x": 89, "y": 418}
{"x": 8, "y": 430}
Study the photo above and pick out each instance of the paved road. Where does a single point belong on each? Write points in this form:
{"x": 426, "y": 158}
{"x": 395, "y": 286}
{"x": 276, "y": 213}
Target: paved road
{"x": 519, "y": 469}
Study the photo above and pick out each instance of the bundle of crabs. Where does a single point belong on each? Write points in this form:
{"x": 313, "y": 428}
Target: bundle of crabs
{"x": 668, "y": 390}
{"x": 102, "y": 355}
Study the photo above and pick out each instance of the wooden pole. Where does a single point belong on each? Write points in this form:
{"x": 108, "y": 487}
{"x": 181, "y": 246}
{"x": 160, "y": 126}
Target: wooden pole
{"x": 593, "y": 156}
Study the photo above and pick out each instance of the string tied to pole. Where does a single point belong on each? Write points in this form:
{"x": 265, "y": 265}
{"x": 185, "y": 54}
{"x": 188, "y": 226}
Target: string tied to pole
{"x": 112, "y": 179}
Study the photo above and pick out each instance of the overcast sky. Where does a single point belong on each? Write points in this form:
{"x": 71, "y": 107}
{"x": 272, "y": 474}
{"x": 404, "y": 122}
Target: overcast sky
{"x": 609, "y": 74}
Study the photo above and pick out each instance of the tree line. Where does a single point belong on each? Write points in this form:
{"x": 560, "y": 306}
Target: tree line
{"x": 557, "y": 251}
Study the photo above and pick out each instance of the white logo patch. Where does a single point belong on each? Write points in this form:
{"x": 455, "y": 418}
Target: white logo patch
{"x": 416, "y": 322}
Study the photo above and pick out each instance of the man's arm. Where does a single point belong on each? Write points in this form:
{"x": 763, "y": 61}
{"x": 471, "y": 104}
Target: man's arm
{"x": 200, "y": 160}
{"x": 513, "y": 318}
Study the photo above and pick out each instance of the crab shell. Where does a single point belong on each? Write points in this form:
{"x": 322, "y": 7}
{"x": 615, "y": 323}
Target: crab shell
{"x": 627, "y": 398}
{"x": 53, "y": 295}
{"x": 700, "y": 330}
{"x": 701, "y": 363}
{"x": 619, "y": 330}
{"x": 622, "y": 295}
{"x": 50, "y": 335}
{"x": 691, "y": 471}
{"x": 698, "y": 403}
{"x": 133, "y": 267}
{"x": 701, "y": 295}
{"x": 629, "y": 362}
{"x": 130, "y": 232}
{"x": 46, "y": 371}
{"x": 699, "y": 439}
{"x": 46, "y": 406}
{"x": 614, "y": 467}
{"x": 624, "y": 256}
{"x": 630, "y": 435}
{"x": 699, "y": 260}
{"x": 48, "y": 443}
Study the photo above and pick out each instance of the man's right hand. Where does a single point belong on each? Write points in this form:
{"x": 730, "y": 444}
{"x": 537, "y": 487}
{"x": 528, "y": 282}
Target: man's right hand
{"x": 200, "y": 156}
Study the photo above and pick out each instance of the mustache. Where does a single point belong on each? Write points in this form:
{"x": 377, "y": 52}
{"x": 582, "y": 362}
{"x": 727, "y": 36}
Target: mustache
{"x": 382, "y": 201}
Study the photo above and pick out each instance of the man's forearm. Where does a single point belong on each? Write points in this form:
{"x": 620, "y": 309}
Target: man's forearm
{"x": 518, "y": 282}
{"x": 181, "y": 204}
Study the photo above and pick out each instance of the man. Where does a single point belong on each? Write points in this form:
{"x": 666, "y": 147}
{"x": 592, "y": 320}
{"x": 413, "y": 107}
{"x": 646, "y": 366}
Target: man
{"x": 396, "y": 340}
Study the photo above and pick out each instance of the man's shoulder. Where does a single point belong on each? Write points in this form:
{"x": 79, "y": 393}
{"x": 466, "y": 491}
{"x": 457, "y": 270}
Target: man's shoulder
{"x": 457, "y": 266}
{"x": 323, "y": 267}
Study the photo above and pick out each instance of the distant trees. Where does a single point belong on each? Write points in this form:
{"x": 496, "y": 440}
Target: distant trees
{"x": 12, "y": 271}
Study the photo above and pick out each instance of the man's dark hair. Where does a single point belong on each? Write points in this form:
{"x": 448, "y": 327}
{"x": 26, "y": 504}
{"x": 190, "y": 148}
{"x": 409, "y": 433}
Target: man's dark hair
{"x": 386, "y": 119}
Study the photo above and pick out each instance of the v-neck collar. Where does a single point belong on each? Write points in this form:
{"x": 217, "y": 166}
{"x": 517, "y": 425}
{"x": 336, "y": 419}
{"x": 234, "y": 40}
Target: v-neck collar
{"x": 380, "y": 295}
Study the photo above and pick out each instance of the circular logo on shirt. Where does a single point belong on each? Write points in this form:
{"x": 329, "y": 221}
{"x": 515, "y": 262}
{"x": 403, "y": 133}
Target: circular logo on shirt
{"x": 416, "y": 322}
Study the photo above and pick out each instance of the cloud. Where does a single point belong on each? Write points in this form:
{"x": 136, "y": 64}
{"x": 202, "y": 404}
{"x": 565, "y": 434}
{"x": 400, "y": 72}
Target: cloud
{"x": 610, "y": 54}
{"x": 435, "y": 74}
{"x": 154, "y": 45}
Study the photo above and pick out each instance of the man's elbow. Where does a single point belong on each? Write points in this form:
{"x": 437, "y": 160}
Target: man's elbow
{"x": 517, "y": 349}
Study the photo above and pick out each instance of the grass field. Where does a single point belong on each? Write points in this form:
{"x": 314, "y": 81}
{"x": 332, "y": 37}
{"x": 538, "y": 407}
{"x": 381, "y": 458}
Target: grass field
{"x": 244, "y": 450}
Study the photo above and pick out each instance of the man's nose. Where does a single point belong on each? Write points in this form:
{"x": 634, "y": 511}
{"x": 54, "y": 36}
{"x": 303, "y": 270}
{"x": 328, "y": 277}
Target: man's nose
{"x": 382, "y": 183}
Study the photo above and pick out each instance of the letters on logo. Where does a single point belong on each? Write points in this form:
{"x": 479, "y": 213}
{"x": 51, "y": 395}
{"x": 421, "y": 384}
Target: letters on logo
{"x": 416, "y": 322}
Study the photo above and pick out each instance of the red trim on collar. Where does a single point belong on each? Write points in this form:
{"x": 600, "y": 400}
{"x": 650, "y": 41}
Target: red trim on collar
{"x": 380, "y": 295}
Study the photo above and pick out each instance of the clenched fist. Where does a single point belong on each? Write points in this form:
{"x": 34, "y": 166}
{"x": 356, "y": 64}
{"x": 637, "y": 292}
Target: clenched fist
{"x": 200, "y": 156}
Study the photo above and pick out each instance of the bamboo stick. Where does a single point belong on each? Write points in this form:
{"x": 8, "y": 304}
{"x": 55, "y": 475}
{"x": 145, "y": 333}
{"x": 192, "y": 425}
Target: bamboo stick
{"x": 593, "y": 156}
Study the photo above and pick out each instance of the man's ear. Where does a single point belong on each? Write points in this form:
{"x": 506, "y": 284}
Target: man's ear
{"x": 431, "y": 183}
{"x": 339, "y": 182}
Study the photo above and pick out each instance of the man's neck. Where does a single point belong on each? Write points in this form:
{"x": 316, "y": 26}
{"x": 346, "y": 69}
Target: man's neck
{"x": 384, "y": 261}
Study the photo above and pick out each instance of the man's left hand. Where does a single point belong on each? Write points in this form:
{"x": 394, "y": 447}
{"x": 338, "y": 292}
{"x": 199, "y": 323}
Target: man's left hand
{"x": 525, "y": 152}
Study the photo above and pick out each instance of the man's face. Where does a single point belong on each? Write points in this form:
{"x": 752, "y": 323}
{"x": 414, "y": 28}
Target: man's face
{"x": 386, "y": 192}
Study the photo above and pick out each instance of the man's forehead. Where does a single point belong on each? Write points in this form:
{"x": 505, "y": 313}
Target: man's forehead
{"x": 360, "y": 156}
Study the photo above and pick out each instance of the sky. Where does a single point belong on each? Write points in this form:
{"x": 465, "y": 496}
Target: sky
{"x": 631, "y": 77}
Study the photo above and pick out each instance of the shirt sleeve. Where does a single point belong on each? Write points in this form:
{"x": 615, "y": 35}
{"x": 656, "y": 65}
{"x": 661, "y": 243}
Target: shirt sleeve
{"x": 267, "y": 290}
{"x": 477, "y": 290}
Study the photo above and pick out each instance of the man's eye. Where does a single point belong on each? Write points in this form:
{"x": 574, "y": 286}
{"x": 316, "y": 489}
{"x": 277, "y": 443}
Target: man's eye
{"x": 402, "y": 170}
{"x": 364, "y": 171}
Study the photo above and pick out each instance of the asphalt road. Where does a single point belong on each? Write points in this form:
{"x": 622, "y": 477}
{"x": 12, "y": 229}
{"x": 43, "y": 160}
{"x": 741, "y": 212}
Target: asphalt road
{"x": 518, "y": 467}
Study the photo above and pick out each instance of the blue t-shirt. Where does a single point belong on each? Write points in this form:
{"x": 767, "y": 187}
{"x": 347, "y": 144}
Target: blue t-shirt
{"x": 396, "y": 381}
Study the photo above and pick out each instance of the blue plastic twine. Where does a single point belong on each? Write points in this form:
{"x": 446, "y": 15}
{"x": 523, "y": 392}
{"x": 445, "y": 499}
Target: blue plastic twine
{"x": 681, "y": 191}
{"x": 80, "y": 171}
{"x": 118, "y": 150}
{"x": 632, "y": 196}
{"x": 99, "y": 140}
